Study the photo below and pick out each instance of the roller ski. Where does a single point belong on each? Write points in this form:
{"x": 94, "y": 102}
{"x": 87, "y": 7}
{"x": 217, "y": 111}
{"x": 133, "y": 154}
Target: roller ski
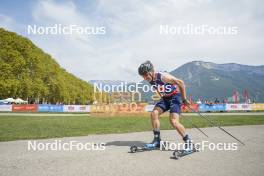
{"x": 177, "y": 154}
{"x": 189, "y": 148}
{"x": 134, "y": 148}
{"x": 154, "y": 145}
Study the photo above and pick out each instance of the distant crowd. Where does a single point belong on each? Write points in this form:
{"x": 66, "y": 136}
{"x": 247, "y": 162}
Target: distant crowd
{"x": 217, "y": 101}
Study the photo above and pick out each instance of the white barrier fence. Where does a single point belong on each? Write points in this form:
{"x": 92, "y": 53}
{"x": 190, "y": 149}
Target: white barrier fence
{"x": 149, "y": 108}
{"x": 145, "y": 108}
{"x": 76, "y": 108}
{"x": 6, "y": 108}
{"x": 238, "y": 107}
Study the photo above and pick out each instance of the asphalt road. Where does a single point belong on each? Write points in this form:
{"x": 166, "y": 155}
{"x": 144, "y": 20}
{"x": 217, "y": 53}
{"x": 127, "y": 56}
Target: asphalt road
{"x": 16, "y": 159}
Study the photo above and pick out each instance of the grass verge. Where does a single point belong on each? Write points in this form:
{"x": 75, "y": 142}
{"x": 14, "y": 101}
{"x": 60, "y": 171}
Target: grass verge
{"x": 17, "y": 127}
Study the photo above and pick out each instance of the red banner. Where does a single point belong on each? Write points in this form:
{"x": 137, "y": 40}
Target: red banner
{"x": 184, "y": 108}
{"x": 24, "y": 108}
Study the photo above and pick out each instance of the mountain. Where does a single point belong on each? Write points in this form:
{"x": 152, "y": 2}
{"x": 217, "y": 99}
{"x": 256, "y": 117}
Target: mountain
{"x": 210, "y": 80}
{"x": 29, "y": 73}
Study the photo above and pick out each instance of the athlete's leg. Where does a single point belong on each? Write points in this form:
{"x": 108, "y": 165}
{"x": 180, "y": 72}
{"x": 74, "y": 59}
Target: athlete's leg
{"x": 174, "y": 120}
{"x": 175, "y": 110}
{"x": 157, "y": 111}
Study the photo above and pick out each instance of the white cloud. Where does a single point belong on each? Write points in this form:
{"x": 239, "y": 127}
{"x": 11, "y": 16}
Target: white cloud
{"x": 133, "y": 35}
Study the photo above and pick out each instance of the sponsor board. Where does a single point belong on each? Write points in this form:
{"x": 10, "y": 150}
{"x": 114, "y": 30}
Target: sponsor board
{"x": 212, "y": 108}
{"x": 194, "y": 107}
{"x": 76, "y": 108}
{"x": 50, "y": 108}
{"x": 184, "y": 108}
{"x": 126, "y": 108}
{"x": 119, "y": 108}
{"x": 24, "y": 108}
{"x": 149, "y": 108}
{"x": 238, "y": 107}
{"x": 257, "y": 107}
{"x": 5, "y": 108}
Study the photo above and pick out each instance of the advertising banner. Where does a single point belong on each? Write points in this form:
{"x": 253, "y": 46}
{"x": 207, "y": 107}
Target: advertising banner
{"x": 257, "y": 107}
{"x": 24, "y": 108}
{"x": 50, "y": 108}
{"x": 184, "y": 108}
{"x": 212, "y": 108}
{"x": 238, "y": 107}
{"x": 5, "y": 108}
{"x": 76, "y": 108}
{"x": 119, "y": 108}
{"x": 232, "y": 107}
{"x": 245, "y": 107}
{"x": 149, "y": 108}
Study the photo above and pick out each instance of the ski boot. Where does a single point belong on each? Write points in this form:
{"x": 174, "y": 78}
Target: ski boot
{"x": 188, "y": 146}
{"x": 155, "y": 143}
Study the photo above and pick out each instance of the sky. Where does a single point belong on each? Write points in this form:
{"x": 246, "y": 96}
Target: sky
{"x": 133, "y": 33}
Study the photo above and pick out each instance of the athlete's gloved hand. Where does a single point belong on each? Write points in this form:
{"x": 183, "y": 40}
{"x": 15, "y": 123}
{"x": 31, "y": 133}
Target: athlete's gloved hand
{"x": 186, "y": 102}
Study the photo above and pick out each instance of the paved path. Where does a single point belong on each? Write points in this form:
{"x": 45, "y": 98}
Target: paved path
{"x": 115, "y": 160}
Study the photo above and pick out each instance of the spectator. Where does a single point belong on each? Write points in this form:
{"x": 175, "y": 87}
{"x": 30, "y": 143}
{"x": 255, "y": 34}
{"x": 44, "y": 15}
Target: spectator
{"x": 216, "y": 101}
{"x": 199, "y": 102}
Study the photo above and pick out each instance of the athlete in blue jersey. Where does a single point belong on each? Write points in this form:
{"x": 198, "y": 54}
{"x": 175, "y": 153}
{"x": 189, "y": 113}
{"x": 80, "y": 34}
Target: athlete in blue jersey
{"x": 171, "y": 90}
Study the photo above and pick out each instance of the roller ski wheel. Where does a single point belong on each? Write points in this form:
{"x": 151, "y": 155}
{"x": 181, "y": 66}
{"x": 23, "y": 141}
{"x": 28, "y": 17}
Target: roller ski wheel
{"x": 177, "y": 154}
{"x": 133, "y": 149}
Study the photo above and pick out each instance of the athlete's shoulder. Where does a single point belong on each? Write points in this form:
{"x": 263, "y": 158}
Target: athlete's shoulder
{"x": 158, "y": 75}
{"x": 162, "y": 73}
{"x": 165, "y": 74}
{"x": 162, "y": 76}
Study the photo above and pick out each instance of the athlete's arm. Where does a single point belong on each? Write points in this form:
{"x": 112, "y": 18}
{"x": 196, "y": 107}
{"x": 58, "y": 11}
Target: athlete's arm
{"x": 168, "y": 78}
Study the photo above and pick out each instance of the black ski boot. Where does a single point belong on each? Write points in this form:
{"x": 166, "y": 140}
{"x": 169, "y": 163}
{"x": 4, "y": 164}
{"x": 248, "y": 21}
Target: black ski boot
{"x": 156, "y": 141}
{"x": 188, "y": 146}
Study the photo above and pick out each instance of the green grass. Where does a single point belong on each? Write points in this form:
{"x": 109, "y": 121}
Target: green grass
{"x": 19, "y": 127}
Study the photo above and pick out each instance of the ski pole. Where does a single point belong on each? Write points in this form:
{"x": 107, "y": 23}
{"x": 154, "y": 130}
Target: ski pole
{"x": 216, "y": 125}
{"x": 195, "y": 126}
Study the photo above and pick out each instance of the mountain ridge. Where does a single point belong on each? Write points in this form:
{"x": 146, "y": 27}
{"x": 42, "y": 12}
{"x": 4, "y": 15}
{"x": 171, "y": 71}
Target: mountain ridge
{"x": 210, "y": 80}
